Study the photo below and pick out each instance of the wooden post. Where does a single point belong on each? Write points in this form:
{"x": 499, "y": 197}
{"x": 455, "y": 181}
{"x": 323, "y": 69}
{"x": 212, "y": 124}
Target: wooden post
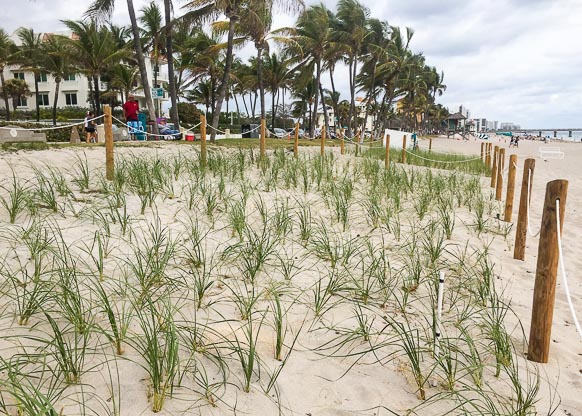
{"x": 522, "y": 216}
{"x": 262, "y": 140}
{"x": 482, "y": 152}
{"x": 494, "y": 167}
{"x": 403, "y": 156}
{"x": 488, "y": 154}
{"x": 430, "y": 144}
{"x": 500, "y": 167}
{"x": 357, "y": 139}
{"x": 546, "y": 271}
{"x": 387, "y": 156}
{"x": 296, "y": 141}
{"x": 510, "y": 188}
{"x": 323, "y": 141}
{"x": 342, "y": 144}
{"x": 109, "y": 163}
{"x": 203, "y": 140}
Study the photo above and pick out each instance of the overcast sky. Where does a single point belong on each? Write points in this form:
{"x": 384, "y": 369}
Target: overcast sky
{"x": 508, "y": 60}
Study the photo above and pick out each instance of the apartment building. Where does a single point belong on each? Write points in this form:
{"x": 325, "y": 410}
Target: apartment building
{"x": 74, "y": 90}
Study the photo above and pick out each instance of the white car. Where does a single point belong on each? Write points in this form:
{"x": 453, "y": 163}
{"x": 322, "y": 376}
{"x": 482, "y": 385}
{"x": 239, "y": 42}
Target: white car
{"x": 280, "y": 133}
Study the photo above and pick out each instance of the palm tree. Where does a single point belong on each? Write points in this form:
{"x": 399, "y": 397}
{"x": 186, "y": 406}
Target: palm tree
{"x": 7, "y": 52}
{"x": 375, "y": 52}
{"x": 124, "y": 78}
{"x": 152, "y": 38}
{"x": 170, "y": 58}
{"x": 104, "y": 8}
{"x": 207, "y": 9}
{"x": 390, "y": 72}
{"x": 276, "y": 76}
{"x": 16, "y": 89}
{"x": 95, "y": 51}
{"x": 352, "y": 31}
{"x": 202, "y": 94}
{"x": 312, "y": 37}
{"x": 29, "y": 56}
{"x": 57, "y": 62}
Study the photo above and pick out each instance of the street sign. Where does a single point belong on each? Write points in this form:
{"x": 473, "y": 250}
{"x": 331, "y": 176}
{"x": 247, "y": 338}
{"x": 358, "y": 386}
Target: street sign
{"x": 157, "y": 93}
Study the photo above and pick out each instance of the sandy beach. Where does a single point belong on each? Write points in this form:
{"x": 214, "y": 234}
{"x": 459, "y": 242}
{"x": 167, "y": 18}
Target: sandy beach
{"x": 193, "y": 299}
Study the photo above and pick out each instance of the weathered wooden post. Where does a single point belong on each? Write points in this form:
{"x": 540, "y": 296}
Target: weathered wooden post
{"x": 342, "y": 142}
{"x": 109, "y": 162}
{"x": 296, "y": 141}
{"x": 500, "y": 167}
{"x": 322, "y": 147}
{"x": 387, "y": 156}
{"x": 430, "y": 144}
{"x": 482, "y": 152}
{"x": 357, "y": 139}
{"x": 262, "y": 140}
{"x": 510, "y": 188}
{"x": 203, "y": 159}
{"x": 488, "y": 154}
{"x": 403, "y": 156}
{"x": 494, "y": 167}
{"x": 546, "y": 271}
{"x": 522, "y": 216}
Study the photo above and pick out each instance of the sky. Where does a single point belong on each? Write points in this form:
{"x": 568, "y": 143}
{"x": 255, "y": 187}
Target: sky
{"x": 514, "y": 61}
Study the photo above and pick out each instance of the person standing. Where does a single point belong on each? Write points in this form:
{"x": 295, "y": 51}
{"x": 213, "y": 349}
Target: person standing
{"x": 90, "y": 128}
{"x": 130, "y": 112}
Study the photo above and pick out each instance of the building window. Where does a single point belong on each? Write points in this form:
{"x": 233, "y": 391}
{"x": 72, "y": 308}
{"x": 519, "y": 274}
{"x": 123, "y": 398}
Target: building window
{"x": 70, "y": 77}
{"x": 21, "y": 102}
{"x": 71, "y": 98}
{"x": 42, "y": 77}
{"x": 19, "y": 75}
{"x": 43, "y": 99}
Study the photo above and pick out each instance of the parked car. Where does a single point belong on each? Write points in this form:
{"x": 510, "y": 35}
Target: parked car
{"x": 280, "y": 133}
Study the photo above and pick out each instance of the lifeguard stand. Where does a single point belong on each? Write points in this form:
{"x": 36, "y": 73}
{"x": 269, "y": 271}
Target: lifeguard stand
{"x": 454, "y": 125}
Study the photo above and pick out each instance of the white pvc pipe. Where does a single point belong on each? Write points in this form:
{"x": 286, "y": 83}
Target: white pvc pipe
{"x": 439, "y": 312}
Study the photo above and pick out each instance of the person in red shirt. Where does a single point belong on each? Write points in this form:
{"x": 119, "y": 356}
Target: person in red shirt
{"x": 130, "y": 111}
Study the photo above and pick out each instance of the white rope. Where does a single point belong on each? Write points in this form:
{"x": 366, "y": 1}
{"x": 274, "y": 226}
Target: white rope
{"x": 145, "y": 132}
{"x": 563, "y": 270}
{"x": 527, "y": 207}
{"x": 223, "y": 132}
{"x": 192, "y": 128}
{"x": 51, "y": 128}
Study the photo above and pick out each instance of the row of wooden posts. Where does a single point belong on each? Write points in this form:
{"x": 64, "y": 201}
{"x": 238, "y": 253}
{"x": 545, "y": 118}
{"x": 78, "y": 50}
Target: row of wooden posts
{"x": 548, "y": 254}
{"x": 494, "y": 157}
{"x": 108, "y": 121}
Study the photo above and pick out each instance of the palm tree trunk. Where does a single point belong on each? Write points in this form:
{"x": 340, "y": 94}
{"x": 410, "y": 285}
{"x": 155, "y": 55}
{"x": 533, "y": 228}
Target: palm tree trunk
{"x": 316, "y": 98}
{"x": 352, "y": 100}
{"x": 97, "y": 95}
{"x": 225, "y": 78}
{"x": 334, "y": 95}
{"x": 260, "y": 79}
{"x": 273, "y": 109}
{"x": 172, "y": 78}
{"x": 369, "y": 95}
{"x": 92, "y": 95}
{"x": 55, "y": 102}
{"x": 354, "y": 115}
{"x": 325, "y": 114}
{"x": 36, "y": 97}
{"x": 142, "y": 66}
{"x": 6, "y": 105}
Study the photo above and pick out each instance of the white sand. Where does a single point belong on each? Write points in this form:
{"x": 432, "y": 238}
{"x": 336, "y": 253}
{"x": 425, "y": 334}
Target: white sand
{"x": 310, "y": 383}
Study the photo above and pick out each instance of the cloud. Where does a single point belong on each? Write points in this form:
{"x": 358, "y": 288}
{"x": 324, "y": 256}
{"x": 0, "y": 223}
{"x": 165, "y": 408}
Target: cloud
{"x": 510, "y": 60}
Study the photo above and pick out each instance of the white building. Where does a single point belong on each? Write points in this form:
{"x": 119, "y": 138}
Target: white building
{"x": 333, "y": 123}
{"x": 73, "y": 90}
